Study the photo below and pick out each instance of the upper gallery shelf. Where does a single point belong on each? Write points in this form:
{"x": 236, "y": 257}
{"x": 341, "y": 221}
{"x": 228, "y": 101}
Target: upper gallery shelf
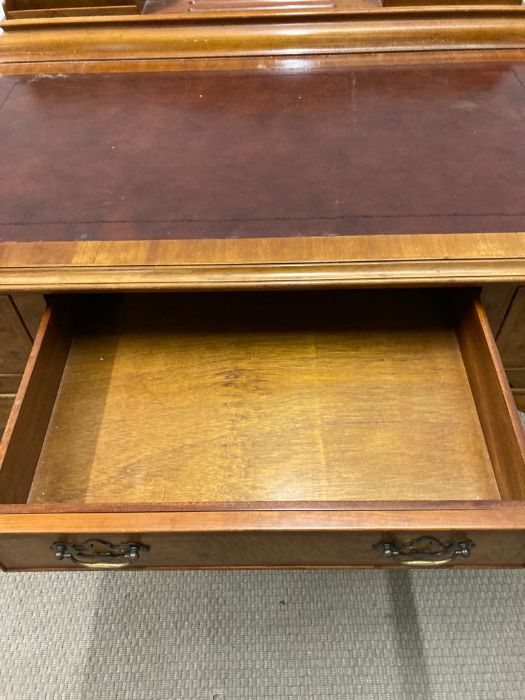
{"x": 95, "y": 30}
{"x": 31, "y": 9}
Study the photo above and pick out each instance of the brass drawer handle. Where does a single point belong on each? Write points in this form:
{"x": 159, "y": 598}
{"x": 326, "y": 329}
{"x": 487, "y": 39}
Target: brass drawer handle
{"x": 425, "y": 551}
{"x": 99, "y": 554}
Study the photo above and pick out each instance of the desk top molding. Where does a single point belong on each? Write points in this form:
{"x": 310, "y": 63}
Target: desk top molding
{"x": 384, "y": 169}
{"x": 340, "y": 261}
{"x": 226, "y": 34}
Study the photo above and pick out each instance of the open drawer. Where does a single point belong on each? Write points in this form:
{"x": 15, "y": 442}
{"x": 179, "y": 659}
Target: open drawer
{"x": 260, "y": 429}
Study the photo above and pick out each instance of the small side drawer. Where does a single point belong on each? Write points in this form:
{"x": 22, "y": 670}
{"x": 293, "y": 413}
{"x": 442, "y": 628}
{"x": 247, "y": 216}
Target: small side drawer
{"x": 15, "y": 341}
{"x": 15, "y": 346}
{"x": 511, "y": 338}
{"x": 301, "y": 429}
{"x": 37, "y": 9}
{"x": 6, "y": 402}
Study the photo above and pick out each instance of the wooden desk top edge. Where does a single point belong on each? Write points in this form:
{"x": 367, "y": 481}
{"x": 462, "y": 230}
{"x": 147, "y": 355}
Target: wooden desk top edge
{"x": 406, "y": 260}
{"x": 377, "y": 260}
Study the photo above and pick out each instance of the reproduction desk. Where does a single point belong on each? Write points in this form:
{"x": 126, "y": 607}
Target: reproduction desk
{"x": 261, "y": 228}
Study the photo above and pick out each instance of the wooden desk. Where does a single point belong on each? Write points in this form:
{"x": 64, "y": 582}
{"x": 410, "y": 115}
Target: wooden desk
{"x": 336, "y": 396}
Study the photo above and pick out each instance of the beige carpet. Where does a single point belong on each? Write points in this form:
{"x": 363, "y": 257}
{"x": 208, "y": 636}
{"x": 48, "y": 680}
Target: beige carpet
{"x": 346, "y": 635}
{"x": 302, "y": 634}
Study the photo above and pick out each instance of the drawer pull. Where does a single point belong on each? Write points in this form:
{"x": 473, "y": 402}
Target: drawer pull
{"x": 425, "y": 551}
{"x": 99, "y": 554}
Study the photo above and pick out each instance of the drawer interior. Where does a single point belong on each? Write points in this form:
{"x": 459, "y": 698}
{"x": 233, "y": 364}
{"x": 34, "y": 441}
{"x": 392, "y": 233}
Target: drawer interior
{"x": 264, "y": 397}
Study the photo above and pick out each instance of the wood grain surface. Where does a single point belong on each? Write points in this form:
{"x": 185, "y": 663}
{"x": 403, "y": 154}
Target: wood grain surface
{"x": 30, "y": 308}
{"x": 433, "y": 57}
{"x": 29, "y": 419}
{"x": 9, "y": 383}
{"x": 501, "y": 424}
{"x": 511, "y": 339}
{"x": 232, "y": 33}
{"x": 499, "y": 516}
{"x": 15, "y": 341}
{"x": 496, "y": 301}
{"x": 517, "y": 378}
{"x": 6, "y": 403}
{"x": 266, "y": 397}
{"x": 263, "y": 549}
{"x": 338, "y": 261}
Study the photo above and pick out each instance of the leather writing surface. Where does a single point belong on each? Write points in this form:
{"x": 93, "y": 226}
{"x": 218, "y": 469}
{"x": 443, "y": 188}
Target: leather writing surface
{"x": 296, "y": 151}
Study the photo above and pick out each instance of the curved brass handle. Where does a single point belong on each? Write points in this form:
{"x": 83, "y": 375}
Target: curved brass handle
{"x": 99, "y": 554}
{"x": 425, "y": 551}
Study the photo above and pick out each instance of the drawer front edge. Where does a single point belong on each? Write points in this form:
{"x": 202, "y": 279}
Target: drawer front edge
{"x": 307, "y": 549}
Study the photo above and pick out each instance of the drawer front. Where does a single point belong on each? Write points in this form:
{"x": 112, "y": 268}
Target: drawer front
{"x": 262, "y": 550}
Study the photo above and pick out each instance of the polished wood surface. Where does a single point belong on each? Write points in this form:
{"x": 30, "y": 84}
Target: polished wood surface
{"x": 501, "y": 424}
{"x": 15, "y": 345}
{"x": 243, "y": 32}
{"x": 6, "y": 403}
{"x": 28, "y": 421}
{"x": 300, "y": 397}
{"x": 517, "y": 378}
{"x": 496, "y": 301}
{"x": 511, "y": 338}
{"x": 339, "y": 261}
{"x": 264, "y": 549}
{"x": 9, "y": 383}
{"x": 32, "y": 9}
{"x": 15, "y": 341}
{"x": 505, "y": 308}
{"x": 31, "y": 308}
{"x": 260, "y": 63}
{"x": 29, "y": 9}
{"x": 18, "y": 318}
{"x": 497, "y": 516}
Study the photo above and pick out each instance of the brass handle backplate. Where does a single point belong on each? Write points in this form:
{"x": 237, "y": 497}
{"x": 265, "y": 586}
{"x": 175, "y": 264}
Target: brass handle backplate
{"x": 99, "y": 554}
{"x": 425, "y": 551}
